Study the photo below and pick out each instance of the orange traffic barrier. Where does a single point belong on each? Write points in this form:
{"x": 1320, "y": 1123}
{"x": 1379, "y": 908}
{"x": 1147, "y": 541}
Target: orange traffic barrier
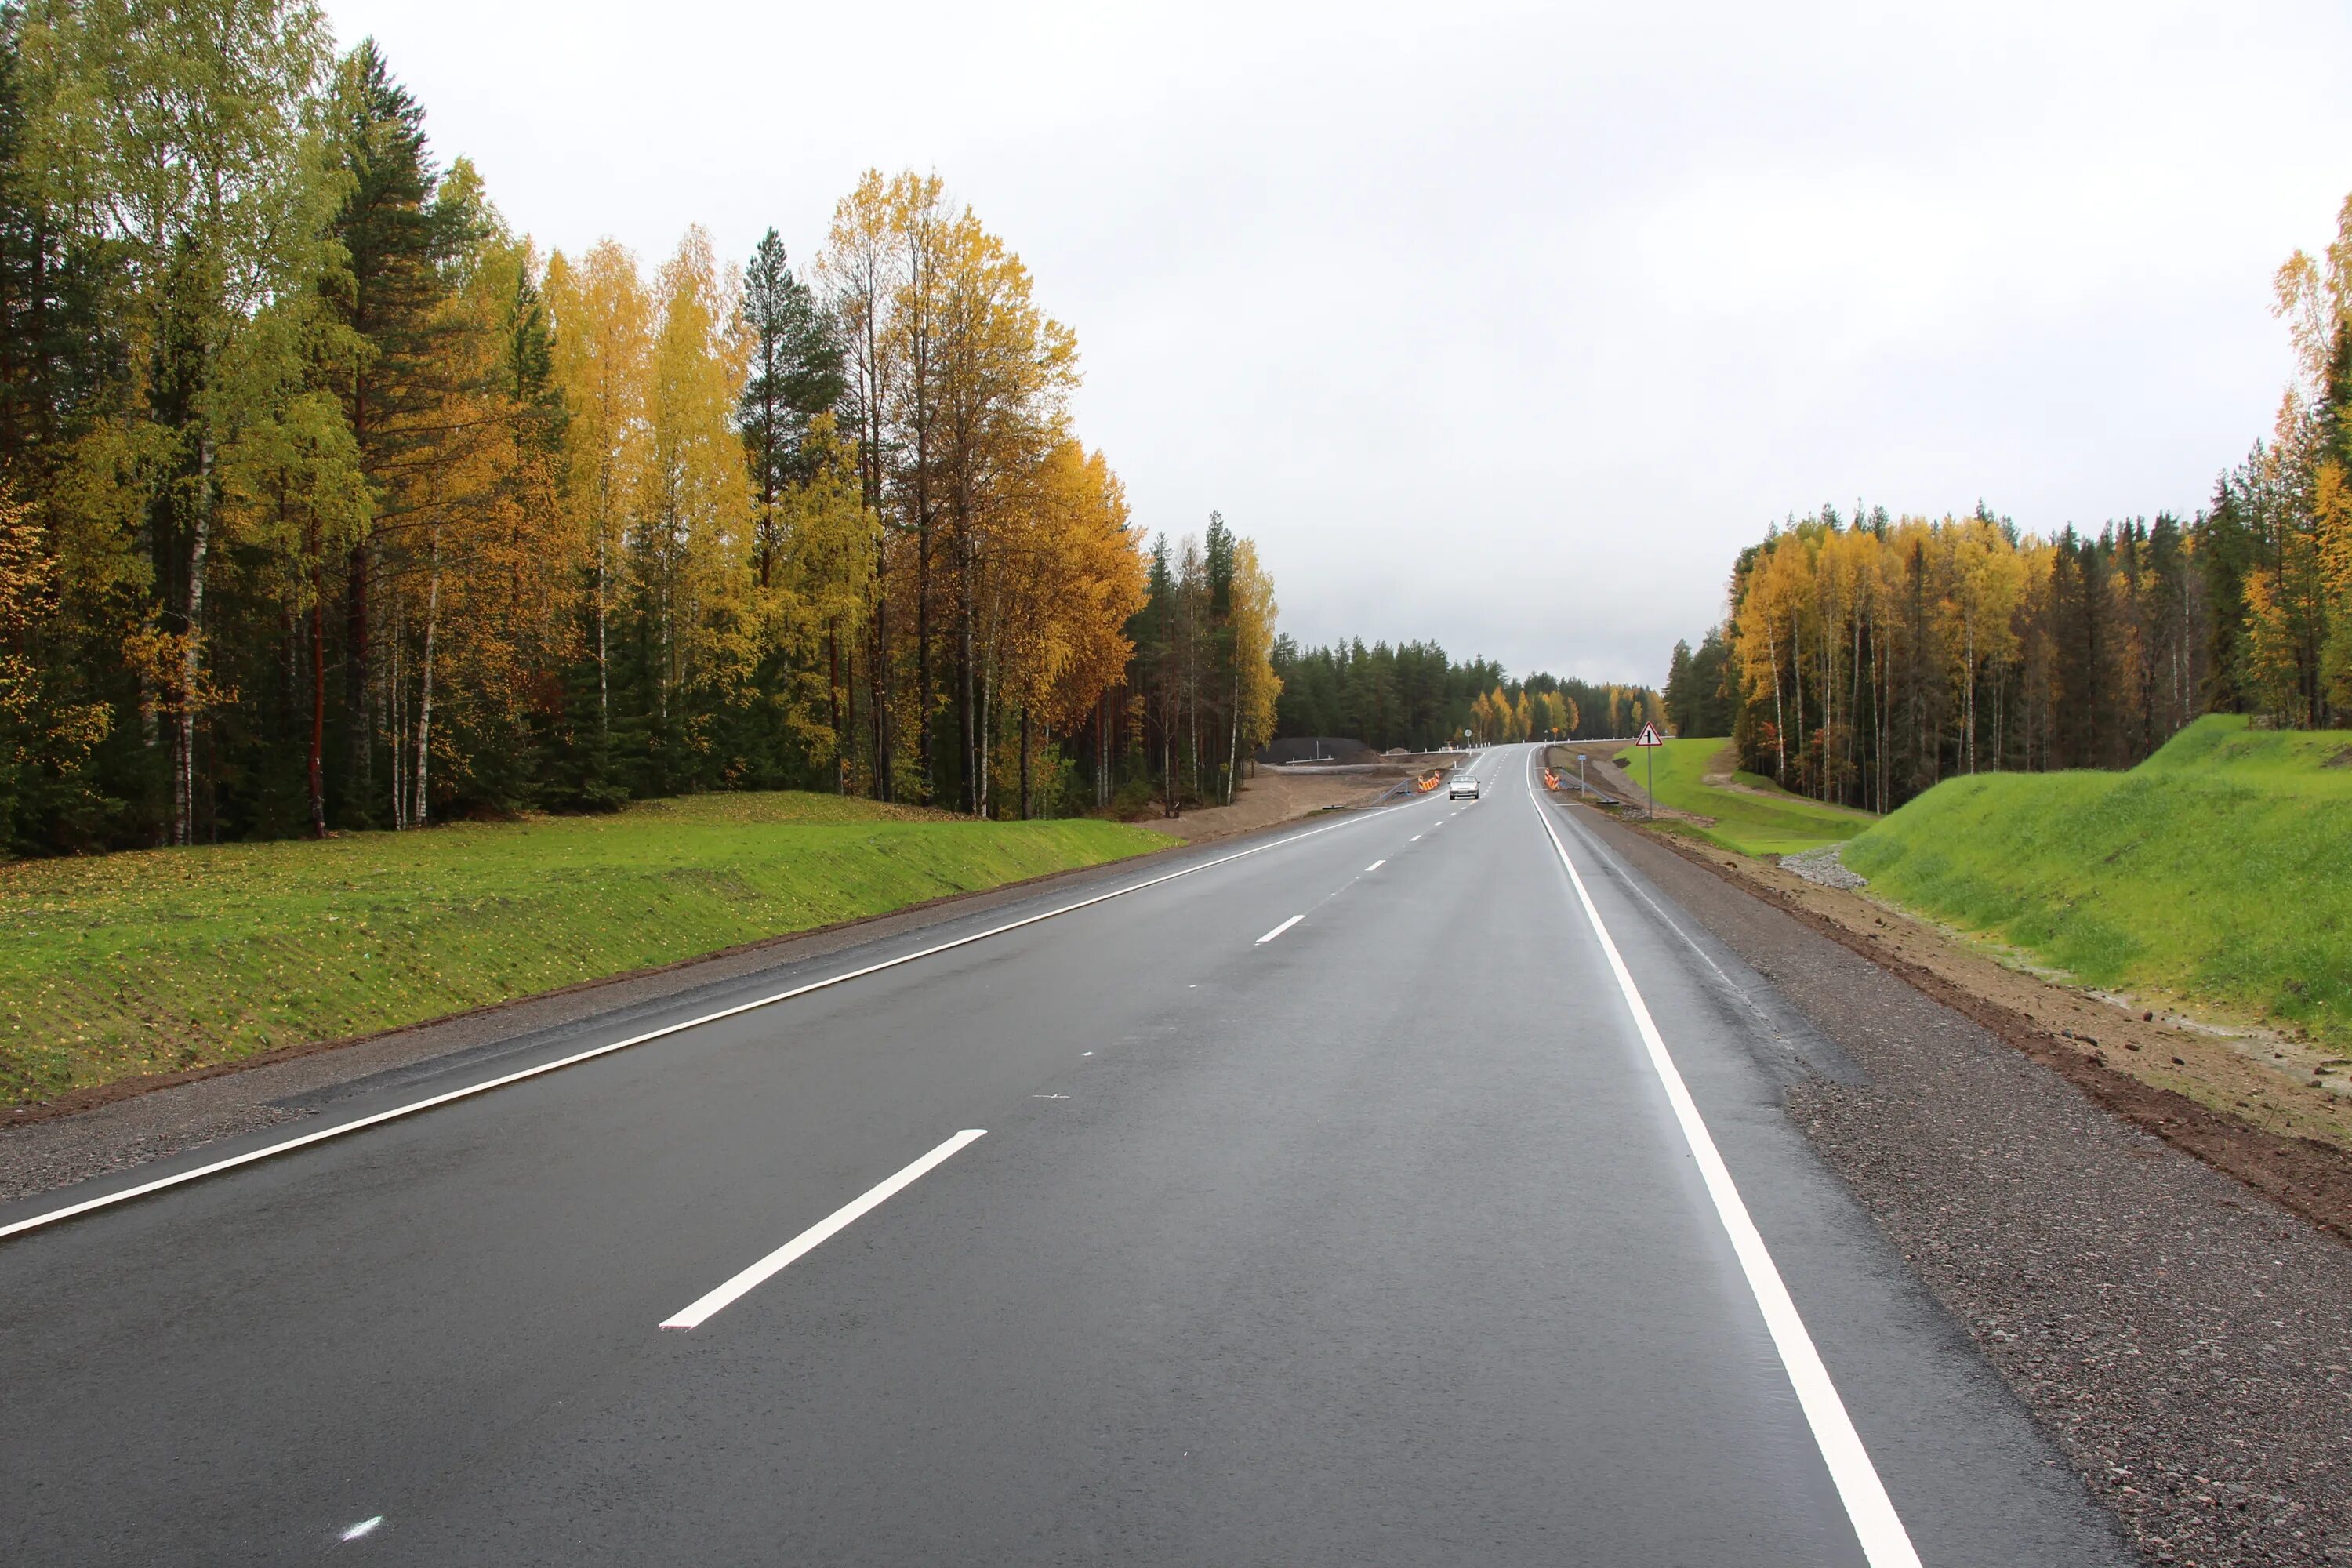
{"x": 1551, "y": 779}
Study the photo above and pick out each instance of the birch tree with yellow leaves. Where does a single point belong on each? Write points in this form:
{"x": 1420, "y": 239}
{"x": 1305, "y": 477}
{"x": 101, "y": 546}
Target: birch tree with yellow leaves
{"x": 602, "y": 316}
{"x": 688, "y": 539}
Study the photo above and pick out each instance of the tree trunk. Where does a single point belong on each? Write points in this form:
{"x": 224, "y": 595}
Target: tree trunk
{"x": 927, "y": 779}
{"x": 1885, "y": 725}
{"x": 395, "y": 708}
{"x": 1797, "y": 683}
{"x": 424, "y": 699}
{"x": 191, "y": 611}
{"x": 1024, "y": 760}
{"x": 358, "y": 691}
{"x": 833, "y": 708}
{"x": 969, "y": 725}
{"x": 1193, "y": 738}
{"x": 603, "y": 658}
{"x": 881, "y": 672}
{"x": 1969, "y": 708}
{"x": 1234, "y": 749}
{"x": 318, "y": 778}
{"x": 919, "y": 374}
{"x": 989, "y": 689}
{"x": 1854, "y": 712}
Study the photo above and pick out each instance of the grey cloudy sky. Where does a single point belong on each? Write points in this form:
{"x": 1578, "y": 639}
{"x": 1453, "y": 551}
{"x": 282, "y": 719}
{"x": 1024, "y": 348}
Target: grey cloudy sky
{"x": 1507, "y": 324}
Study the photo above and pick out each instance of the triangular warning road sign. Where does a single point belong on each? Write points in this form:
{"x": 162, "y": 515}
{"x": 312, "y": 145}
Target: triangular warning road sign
{"x": 1649, "y": 736}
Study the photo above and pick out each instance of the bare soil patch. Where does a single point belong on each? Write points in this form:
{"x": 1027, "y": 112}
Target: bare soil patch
{"x": 1276, "y": 795}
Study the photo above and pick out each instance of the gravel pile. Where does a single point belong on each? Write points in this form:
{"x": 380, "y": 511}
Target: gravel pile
{"x": 2187, "y": 1343}
{"x": 1826, "y": 865}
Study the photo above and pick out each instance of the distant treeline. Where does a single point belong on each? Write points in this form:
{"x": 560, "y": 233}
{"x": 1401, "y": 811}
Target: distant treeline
{"x": 1867, "y": 657}
{"x": 1412, "y": 695}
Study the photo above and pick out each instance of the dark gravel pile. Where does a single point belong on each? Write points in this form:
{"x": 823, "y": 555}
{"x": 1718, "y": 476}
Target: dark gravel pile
{"x": 2187, "y": 1343}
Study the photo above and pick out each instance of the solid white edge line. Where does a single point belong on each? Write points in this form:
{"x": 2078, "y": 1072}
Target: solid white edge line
{"x": 182, "y": 1178}
{"x": 1884, "y": 1542}
{"x": 1279, "y": 930}
{"x": 702, "y": 1307}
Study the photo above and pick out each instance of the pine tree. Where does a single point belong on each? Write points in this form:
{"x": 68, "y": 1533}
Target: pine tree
{"x": 795, "y": 376}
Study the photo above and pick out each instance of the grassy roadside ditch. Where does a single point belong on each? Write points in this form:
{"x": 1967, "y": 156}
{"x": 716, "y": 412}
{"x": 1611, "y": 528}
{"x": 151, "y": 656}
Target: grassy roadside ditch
{"x": 127, "y": 966}
{"x": 1754, "y": 816}
{"x": 2217, "y": 872}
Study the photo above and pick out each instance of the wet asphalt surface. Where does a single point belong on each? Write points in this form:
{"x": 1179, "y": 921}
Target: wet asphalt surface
{"x": 1376, "y": 1242}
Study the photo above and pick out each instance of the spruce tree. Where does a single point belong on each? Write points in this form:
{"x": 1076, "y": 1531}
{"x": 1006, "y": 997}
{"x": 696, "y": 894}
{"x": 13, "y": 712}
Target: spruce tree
{"x": 397, "y": 242}
{"x": 795, "y": 375}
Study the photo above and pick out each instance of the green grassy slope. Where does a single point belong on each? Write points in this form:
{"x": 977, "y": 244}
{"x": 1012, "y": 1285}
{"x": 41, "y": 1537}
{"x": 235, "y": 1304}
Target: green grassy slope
{"x": 1772, "y": 822}
{"x": 2219, "y": 869}
{"x": 130, "y": 964}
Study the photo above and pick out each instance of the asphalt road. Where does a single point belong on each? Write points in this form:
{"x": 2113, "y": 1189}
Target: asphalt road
{"x": 1374, "y": 1236}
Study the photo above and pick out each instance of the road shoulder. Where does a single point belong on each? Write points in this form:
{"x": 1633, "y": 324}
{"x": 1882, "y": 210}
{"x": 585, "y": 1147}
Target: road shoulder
{"x": 129, "y": 1124}
{"x": 2187, "y": 1343}
{"x": 2248, "y": 1104}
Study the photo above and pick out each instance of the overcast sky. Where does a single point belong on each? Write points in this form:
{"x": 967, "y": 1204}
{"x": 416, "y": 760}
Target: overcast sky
{"x": 1507, "y": 324}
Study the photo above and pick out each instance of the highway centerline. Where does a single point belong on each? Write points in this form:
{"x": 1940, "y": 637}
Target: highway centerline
{"x": 712, "y": 1302}
{"x": 1376, "y": 865}
{"x": 1279, "y": 930}
{"x": 1886, "y": 1543}
{"x": 287, "y": 1146}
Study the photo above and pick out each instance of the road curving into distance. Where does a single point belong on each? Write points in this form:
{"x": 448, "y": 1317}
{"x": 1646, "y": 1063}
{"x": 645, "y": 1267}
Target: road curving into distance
{"x": 1413, "y": 1187}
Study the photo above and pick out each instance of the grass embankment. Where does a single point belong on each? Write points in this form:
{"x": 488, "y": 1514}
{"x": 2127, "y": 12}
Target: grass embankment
{"x": 1759, "y": 817}
{"x": 155, "y": 961}
{"x": 2220, "y": 870}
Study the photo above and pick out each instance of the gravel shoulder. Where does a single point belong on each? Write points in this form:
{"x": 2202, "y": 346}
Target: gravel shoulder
{"x": 2271, "y": 1110}
{"x": 2186, "y": 1340}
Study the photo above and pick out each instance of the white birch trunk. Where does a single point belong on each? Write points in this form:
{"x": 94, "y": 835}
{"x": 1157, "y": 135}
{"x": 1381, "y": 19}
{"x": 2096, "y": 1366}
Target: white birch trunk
{"x": 425, "y": 699}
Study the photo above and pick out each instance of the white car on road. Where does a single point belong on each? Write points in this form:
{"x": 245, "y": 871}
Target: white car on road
{"x": 1460, "y": 785}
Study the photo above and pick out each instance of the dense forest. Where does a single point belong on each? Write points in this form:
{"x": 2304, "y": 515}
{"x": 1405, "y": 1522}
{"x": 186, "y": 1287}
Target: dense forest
{"x": 1413, "y": 696}
{"x": 1866, "y": 656}
{"x": 329, "y": 502}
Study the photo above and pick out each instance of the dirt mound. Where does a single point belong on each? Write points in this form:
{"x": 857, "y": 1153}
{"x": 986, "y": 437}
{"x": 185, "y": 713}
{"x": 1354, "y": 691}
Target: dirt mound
{"x": 1272, "y": 798}
{"x": 1317, "y": 749}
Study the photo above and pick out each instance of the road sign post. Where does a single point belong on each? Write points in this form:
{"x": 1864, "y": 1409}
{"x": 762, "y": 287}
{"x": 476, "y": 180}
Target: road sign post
{"x": 1651, "y": 741}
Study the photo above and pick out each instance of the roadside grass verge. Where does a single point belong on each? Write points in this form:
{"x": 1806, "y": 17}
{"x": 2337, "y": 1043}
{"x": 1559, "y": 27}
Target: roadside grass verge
{"x": 2218, "y": 871}
{"x": 1769, "y": 821}
{"x": 154, "y": 961}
